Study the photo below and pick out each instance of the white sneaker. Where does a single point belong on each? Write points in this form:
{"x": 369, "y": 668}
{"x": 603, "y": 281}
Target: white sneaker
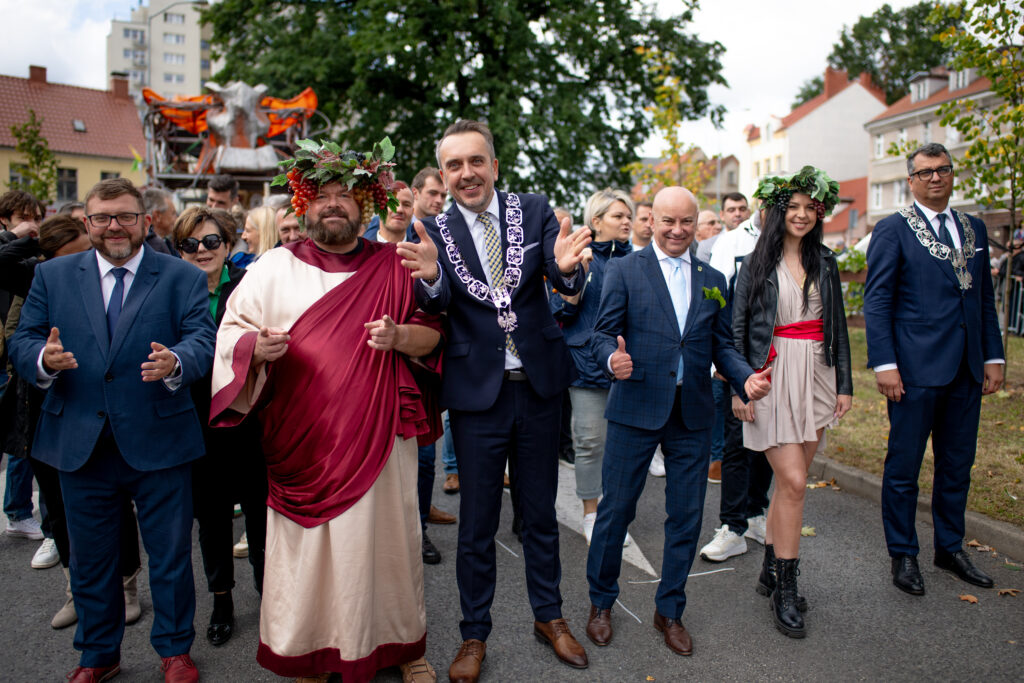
{"x": 756, "y": 528}
{"x": 46, "y": 556}
{"x": 657, "y": 468}
{"x": 588, "y": 525}
{"x": 25, "y": 528}
{"x": 241, "y": 549}
{"x": 628, "y": 542}
{"x": 724, "y": 545}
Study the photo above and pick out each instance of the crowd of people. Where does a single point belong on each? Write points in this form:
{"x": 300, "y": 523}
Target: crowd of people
{"x": 303, "y": 362}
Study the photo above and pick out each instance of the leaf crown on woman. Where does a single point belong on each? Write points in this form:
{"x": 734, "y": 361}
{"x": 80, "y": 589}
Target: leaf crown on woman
{"x": 775, "y": 193}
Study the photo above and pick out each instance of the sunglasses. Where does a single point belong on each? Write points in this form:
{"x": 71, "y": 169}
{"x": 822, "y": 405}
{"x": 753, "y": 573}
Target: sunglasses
{"x": 190, "y": 245}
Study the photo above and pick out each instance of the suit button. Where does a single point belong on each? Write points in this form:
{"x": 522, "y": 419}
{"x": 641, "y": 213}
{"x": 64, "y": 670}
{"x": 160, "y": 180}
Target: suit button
{"x": 672, "y": 374}
{"x": 101, "y": 414}
{"x": 682, "y": 344}
{"x": 963, "y": 326}
{"x": 108, "y": 377}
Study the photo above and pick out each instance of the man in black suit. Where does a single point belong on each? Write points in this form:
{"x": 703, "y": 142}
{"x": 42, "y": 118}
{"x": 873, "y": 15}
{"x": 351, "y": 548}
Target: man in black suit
{"x": 506, "y": 366}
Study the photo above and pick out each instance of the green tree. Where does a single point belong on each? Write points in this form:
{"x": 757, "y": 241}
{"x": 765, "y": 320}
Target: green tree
{"x": 560, "y": 82}
{"x": 810, "y": 89}
{"x": 891, "y": 45}
{"x": 38, "y": 174}
{"x": 986, "y": 36}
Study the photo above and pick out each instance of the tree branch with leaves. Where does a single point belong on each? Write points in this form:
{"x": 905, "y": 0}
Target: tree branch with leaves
{"x": 38, "y": 174}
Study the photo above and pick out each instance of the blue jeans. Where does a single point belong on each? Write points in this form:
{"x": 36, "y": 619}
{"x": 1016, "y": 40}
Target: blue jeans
{"x": 723, "y": 404}
{"x": 18, "y": 495}
{"x": 448, "y": 453}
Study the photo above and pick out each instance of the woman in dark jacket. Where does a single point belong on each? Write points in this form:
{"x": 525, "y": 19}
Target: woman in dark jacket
{"x": 788, "y": 314}
{"x": 233, "y": 455}
{"x": 609, "y": 214}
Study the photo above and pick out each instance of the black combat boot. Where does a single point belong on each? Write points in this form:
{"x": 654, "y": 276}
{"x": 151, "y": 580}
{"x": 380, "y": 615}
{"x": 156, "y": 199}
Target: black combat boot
{"x": 766, "y": 581}
{"x": 787, "y": 617}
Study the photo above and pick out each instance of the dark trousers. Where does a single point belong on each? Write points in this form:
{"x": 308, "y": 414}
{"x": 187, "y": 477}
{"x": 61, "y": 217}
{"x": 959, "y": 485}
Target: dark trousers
{"x": 48, "y": 479}
{"x": 746, "y": 477}
{"x": 521, "y": 427}
{"x": 425, "y": 480}
{"x": 627, "y": 455}
{"x": 950, "y": 414}
{"x": 94, "y": 497}
{"x": 217, "y": 482}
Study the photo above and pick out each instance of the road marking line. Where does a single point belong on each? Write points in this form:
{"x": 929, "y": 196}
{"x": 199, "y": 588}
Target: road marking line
{"x": 619, "y": 602}
{"x": 505, "y": 547}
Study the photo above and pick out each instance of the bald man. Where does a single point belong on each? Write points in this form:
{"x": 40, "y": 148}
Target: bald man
{"x": 658, "y": 329}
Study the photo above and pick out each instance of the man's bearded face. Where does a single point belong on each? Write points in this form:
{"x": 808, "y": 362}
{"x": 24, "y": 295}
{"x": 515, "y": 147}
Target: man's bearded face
{"x": 333, "y": 217}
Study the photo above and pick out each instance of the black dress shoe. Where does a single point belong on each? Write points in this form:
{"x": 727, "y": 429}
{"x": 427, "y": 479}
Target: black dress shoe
{"x": 222, "y": 621}
{"x": 431, "y": 555}
{"x": 906, "y": 575}
{"x": 960, "y": 564}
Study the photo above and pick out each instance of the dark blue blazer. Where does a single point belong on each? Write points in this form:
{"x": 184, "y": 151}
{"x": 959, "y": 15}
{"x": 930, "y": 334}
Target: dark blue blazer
{"x": 474, "y": 357}
{"x": 635, "y": 303}
{"x": 915, "y": 314}
{"x": 168, "y": 303}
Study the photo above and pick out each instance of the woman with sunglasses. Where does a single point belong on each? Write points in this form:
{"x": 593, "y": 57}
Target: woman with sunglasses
{"x": 203, "y": 237}
{"x": 788, "y": 314}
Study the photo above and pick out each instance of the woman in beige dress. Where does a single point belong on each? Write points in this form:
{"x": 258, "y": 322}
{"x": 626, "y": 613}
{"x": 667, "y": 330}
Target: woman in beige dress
{"x": 788, "y": 314}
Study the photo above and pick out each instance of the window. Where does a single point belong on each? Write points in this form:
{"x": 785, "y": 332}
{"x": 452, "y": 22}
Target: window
{"x": 174, "y": 38}
{"x": 926, "y": 134}
{"x": 136, "y": 34}
{"x": 903, "y": 136}
{"x": 174, "y": 58}
{"x": 67, "y": 185}
{"x": 919, "y": 90}
{"x": 768, "y": 166}
{"x": 731, "y": 178}
{"x": 952, "y": 135}
{"x": 174, "y": 78}
{"x": 137, "y": 76}
{"x": 172, "y": 18}
{"x": 16, "y": 177}
{"x": 204, "y": 64}
{"x": 879, "y": 146}
{"x": 78, "y": 125}
{"x": 876, "y": 196}
{"x": 757, "y": 169}
{"x": 127, "y": 53}
{"x": 963, "y": 78}
{"x": 109, "y": 175}
{"x": 899, "y": 192}
{"x": 204, "y": 45}
{"x": 778, "y": 163}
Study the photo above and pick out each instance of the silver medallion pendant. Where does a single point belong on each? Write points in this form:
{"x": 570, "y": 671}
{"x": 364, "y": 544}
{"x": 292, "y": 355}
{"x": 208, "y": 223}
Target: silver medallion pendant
{"x": 507, "y": 320}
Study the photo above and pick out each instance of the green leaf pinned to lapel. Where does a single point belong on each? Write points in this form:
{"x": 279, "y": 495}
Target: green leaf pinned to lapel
{"x": 714, "y": 294}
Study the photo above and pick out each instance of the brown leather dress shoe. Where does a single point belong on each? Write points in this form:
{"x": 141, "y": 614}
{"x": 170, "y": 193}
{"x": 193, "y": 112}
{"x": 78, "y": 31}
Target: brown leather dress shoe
{"x": 86, "y": 674}
{"x": 676, "y": 636}
{"x": 179, "y": 669}
{"x": 440, "y": 516}
{"x": 556, "y": 633}
{"x": 451, "y": 484}
{"x": 715, "y": 472}
{"x": 465, "y": 667}
{"x": 599, "y": 626}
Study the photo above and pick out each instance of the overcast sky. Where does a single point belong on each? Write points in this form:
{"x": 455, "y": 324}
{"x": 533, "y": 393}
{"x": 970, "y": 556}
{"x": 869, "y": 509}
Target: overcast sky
{"x": 771, "y": 48}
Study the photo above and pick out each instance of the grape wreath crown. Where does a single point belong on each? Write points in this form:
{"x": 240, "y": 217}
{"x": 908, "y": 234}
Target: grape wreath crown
{"x": 778, "y": 190}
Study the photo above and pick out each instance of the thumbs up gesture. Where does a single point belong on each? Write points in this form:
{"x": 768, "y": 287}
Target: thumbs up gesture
{"x": 55, "y": 358}
{"x": 569, "y": 247}
{"x": 620, "y": 361}
{"x": 420, "y": 257}
{"x": 758, "y": 384}
{"x": 161, "y": 363}
{"x": 385, "y": 334}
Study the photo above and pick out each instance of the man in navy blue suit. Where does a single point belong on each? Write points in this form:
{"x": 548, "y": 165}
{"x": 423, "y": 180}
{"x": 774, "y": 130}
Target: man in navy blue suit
{"x": 663, "y": 320}
{"x": 933, "y": 341}
{"x": 115, "y": 336}
{"x": 505, "y": 368}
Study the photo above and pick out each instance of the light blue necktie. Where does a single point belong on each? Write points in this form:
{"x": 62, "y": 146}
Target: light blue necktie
{"x": 680, "y": 294}
{"x": 116, "y": 299}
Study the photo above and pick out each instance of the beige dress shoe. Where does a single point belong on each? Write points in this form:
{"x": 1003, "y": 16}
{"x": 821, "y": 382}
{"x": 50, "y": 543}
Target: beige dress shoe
{"x": 132, "y": 610}
{"x": 67, "y": 615}
{"x": 418, "y": 671}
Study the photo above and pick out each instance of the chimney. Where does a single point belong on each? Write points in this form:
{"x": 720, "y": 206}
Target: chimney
{"x": 119, "y": 84}
{"x": 835, "y": 80}
{"x": 36, "y": 74}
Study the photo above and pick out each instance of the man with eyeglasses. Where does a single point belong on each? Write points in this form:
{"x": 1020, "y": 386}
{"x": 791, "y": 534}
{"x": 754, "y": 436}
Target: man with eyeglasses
{"x": 115, "y": 336}
{"x": 934, "y": 344}
{"x": 162, "y": 213}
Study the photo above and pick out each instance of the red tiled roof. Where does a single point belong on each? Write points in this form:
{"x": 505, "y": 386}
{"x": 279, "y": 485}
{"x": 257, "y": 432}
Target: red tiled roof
{"x": 753, "y": 132}
{"x": 854, "y": 195}
{"x": 904, "y": 104}
{"x": 112, "y": 125}
{"x": 836, "y": 82}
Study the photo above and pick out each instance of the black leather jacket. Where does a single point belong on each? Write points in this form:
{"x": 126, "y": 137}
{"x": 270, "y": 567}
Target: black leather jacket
{"x": 754, "y": 326}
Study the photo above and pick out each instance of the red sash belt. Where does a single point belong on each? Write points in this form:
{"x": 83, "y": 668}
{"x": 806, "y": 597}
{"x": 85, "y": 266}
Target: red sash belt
{"x": 805, "y": 329}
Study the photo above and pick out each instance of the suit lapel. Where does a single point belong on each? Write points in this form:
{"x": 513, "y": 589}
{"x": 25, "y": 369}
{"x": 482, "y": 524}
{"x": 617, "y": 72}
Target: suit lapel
{"x": 92, "y": 298}
{"x": 697, "y": 276}
{"x": 143, "y": 283}
{"x": 943, "y": 265}
{"x": 464, "y": 239}
{"x": 657, "y": 279}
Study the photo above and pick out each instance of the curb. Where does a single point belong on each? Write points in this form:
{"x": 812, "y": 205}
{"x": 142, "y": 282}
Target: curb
{"x": 1005, "y": 538}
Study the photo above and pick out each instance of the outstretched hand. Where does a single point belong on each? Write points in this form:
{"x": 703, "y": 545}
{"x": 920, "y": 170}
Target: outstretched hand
{"x": 161, "y": 363}
{"x": 385, "y": 335}
{"x": 569, "y": 247}
{"x": 621, "y": 362}
{"x": 758, "y": 384}
{"x": 55, "y": 358}
{"x": 421, "y": 257}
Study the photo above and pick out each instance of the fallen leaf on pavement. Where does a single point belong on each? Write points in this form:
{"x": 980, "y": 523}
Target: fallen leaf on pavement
{"x": 818, "y": 485}
{"x": 808, "y": 531}
{"x": 969, "y": 598}
{"x": 650, "y": 678}
{"x": 1012, "y": 592}
{"x": 973, "y": 543}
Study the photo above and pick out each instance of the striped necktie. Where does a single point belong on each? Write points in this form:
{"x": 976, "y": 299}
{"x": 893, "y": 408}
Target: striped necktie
{"x": 496, "y": 266}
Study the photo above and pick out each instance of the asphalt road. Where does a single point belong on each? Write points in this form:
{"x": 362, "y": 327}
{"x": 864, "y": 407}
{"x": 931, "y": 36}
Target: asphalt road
{"x": 859, "y": 626}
